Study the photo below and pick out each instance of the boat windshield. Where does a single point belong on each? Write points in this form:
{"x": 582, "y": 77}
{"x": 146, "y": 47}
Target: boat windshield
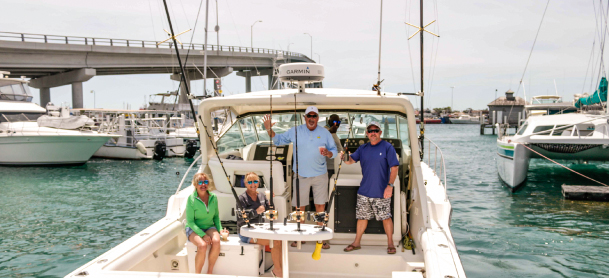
{"x": 19, "y": 117}
{"x": 250, "y": 128}
{"x": 20, "y": 92}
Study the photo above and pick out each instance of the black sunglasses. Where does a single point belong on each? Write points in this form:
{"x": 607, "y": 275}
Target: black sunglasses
{"x": 311, "y": 116}
{"x": 374, "y": 130}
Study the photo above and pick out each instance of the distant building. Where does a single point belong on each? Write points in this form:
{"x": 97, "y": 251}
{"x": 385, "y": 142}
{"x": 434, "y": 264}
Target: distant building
{"x": 507, "y": 106}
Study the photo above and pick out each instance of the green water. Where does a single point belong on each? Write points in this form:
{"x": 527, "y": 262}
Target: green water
{"x": 53, "y": 220}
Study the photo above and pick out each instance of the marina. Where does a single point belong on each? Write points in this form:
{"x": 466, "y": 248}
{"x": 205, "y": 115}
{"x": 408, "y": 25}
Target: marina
{"x": 249, "y": 157}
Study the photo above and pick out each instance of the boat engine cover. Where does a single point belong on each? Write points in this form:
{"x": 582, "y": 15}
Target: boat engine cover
{"x": 160, "y": 148}
{"x": 191, "y": 148}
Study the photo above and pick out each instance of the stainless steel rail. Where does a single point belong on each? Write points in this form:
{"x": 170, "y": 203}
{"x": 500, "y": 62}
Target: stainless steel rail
{"x": 56, "y": 39}
{"x": 438, "y": 165}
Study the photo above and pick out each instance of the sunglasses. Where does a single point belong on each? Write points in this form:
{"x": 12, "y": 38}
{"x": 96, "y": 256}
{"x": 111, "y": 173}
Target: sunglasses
{"x": 336, "y": 122}
{"x": 254, "y": 182}
{"x": 374, "y": 130}
{"x": 311, "y": 116}
{"x": 204, "y": 182}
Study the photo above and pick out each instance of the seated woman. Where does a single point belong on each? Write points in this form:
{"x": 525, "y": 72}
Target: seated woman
{"x": 258, "y": 203}
{"x": 203, "y": 222}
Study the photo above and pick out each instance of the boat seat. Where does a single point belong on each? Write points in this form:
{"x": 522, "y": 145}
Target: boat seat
{"x": 250, "y": 258}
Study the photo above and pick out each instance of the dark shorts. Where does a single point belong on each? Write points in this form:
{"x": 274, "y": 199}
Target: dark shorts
{"x": 372, "y": 208}
{"x": 190, "y": 231}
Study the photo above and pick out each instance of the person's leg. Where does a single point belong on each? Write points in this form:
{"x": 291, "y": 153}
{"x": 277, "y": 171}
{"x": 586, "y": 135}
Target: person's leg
{"x": 320, "y": 197}
{"x": 275, "y": 254}
{"x": 363, "y": 212}
{"x": 215, "y": 249}
{"x": 201, "y": 250}
{"x": 388, "y": 225}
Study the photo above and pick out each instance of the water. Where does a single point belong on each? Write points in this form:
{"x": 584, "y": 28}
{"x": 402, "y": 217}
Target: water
{"x": 54, "y": 220}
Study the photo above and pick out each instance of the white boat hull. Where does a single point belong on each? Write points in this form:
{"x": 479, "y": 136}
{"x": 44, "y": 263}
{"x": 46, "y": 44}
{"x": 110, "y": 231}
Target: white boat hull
{"x": 120, "y": 152}
{"x": 49, "y": 149}
{"x": 512, "y": 164}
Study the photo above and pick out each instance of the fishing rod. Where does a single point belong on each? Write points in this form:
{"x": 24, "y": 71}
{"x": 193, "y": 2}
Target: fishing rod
{"x": 297, "y": 215}
{"x": 244, "y": 213}
{"x": 271, "y": 214}
{"x": 323, "y": 217}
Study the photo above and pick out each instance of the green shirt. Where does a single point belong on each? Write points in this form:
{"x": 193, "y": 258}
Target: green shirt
{"x": 200, "y": 217}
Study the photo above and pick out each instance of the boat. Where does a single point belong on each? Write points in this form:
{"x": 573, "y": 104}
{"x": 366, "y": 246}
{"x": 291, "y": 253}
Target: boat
{"x": 576, "y": 137}
{"x": 465, "y": 119}
{"x": 421, "y": 208}
{"x": 28, "y": 136}
{"x": 548, "y": 105}
{"x": 144, "y": 134}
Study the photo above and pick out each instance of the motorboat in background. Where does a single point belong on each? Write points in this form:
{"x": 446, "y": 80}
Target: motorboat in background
{"x": 465, "y": 119}
{"x": 29, "y": 137}
{"x": 574, "y": 136}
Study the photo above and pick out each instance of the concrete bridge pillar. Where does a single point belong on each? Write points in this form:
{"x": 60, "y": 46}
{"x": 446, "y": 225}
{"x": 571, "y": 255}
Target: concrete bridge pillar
{"x": 248, "y": 83}
{"x": 45, "y": 96}
{"x": 77, "y": 95}
{"x": 75, "y": 77}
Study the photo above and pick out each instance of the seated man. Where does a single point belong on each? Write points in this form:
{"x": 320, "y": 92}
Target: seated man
{"x": 258, "y": 203}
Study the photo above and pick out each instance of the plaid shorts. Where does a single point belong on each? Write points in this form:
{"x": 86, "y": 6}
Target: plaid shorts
{"x": 370, "y": 208}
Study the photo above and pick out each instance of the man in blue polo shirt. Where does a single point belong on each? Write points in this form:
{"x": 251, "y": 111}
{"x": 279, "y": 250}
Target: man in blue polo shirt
{"x": 315, "y": 144}
{"x": 379, "y": 169}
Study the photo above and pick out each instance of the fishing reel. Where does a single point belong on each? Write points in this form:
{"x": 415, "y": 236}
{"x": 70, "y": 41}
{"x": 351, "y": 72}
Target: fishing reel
{"x": 318, "y": 216}
{"x": 296, "y": 215}
{"x": 244, "y": 214}
{"x": 270, "y": 215}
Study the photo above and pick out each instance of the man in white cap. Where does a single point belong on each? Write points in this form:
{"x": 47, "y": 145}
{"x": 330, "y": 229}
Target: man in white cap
{"x": 379, "y": 169}
{"x": 315, "y": 144}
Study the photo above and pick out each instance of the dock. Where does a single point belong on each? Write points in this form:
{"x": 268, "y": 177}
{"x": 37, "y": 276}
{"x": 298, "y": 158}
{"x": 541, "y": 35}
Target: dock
{"x": 586, "y": 192}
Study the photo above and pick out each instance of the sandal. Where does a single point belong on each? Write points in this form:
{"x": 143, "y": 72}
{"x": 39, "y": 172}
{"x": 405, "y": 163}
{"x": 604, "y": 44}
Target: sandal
{"x": 273, "y": 272}
{"x": 294, "y": 244}
{"x": 350, "y": 248}
{"x": 391, "y": 250}
{"x": 326, "y": 245}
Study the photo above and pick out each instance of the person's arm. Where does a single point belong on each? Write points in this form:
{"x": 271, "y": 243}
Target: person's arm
{"x": 190, "y": 219}
{"x": 284, "y": 138}
{"x": 339, "y": 147}
{"x": 389, "y": 189}
{"x": 353, "y": 157}
{"x": 331, "y": 145}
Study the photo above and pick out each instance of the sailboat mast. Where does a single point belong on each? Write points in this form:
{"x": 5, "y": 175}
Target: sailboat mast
{"x": 378, "y": 82}
{"x": 422, "y": 112}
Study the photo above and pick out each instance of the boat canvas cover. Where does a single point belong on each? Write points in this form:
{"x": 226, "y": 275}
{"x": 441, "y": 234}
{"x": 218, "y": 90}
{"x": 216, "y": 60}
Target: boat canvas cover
{"x": 599, "y": 96}
{"x": 73, "y": 122}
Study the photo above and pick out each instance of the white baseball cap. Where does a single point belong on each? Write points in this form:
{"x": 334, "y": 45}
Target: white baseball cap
{"x": 374, "y": 123}
{"x": 312, "y": 109}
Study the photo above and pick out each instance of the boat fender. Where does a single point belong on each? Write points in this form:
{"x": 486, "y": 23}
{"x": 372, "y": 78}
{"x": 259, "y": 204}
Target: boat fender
{"x": 191, "y": 148}
{"x": 404, "y": 212}
{"x": 140, "y": 147}
{"x": 160, "y": 148}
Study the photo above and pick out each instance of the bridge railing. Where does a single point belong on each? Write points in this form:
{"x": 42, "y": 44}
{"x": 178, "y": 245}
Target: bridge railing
{"x": 55, "y": 39}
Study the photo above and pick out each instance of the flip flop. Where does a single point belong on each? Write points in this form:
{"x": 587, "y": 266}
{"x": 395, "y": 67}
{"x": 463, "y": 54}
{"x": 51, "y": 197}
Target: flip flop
{"x": 352, "y": 248}
{"x": 294, "y": 243}
{"x": 273, "y": 272}
{"x": 391, "y": 250}
{"x": 325, "y": 246}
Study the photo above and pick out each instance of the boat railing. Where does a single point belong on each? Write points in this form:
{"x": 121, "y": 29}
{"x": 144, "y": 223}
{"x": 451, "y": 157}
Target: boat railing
{"x": 435, "y": 161}
{"x": 186, "y": 173}
{"x": 56, "y": 39}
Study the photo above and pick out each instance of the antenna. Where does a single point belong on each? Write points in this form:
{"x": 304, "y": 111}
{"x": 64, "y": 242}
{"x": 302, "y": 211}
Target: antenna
{"x": 378, "y": 81}
{"x": 421, "y": 30}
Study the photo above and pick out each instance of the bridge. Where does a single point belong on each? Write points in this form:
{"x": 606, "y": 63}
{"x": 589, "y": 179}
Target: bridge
{"x": 53, "y": 61}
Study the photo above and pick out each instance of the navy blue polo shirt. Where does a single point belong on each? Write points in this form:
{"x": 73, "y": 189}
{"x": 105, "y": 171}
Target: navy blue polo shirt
{"x": 376, "y": 161}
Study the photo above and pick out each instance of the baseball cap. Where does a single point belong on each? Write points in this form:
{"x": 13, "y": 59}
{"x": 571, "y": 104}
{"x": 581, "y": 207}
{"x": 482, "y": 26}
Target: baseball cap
{"x": 374, "y": 123}
{"x": 312, "y": 109}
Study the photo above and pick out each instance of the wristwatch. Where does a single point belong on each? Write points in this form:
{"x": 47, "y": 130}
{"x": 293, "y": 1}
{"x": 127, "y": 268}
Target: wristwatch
{"x": 390, "y": 184}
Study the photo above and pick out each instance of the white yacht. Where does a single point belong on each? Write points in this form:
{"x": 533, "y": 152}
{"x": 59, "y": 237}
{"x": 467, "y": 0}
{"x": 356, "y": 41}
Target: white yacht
{"x": 421, "y": 208}
{"x": 574, "y": 136}
{"x": 26, "y": 140}
{"x": 465, "y": 119}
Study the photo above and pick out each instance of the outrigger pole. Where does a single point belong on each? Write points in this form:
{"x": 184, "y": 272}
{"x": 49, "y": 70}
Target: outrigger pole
{"x": 271, "y": 213}
{"x": 298, "y": 212}
{"x": 240, "y": 206}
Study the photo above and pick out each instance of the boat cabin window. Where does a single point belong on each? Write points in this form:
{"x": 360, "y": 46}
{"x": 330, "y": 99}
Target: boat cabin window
{"x": 542, "y": 128}
{"x": 387, "y": 121}
{"x": 522, "y": 129}
{"x": 19, "y": 92}
{"x": 19, "y": 117}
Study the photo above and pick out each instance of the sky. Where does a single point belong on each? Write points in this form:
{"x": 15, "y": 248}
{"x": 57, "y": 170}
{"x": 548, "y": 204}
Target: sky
{"x": 482, "y": 50}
